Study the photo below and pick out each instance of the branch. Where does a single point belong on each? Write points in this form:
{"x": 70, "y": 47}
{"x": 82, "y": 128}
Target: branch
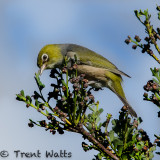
{"x": 95, "y": 142}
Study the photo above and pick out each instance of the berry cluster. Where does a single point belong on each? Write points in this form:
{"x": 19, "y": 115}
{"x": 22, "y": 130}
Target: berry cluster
{"x": 153, "y": 86}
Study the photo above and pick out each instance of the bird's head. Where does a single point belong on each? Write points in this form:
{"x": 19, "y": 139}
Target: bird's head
{"x": 49, "y": 57}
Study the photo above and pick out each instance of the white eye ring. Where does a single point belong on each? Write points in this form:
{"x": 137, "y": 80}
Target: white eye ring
{"x": 44, "y": 57}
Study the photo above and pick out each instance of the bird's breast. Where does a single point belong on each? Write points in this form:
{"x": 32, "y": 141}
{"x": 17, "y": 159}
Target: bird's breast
{"x": 96, "y": 76}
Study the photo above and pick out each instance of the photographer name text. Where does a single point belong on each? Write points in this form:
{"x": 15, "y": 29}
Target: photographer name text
{"x": 38, "y": 154}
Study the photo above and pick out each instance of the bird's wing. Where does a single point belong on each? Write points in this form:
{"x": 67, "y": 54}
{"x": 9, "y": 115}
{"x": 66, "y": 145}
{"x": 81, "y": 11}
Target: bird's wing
{"x": 116, "y": 71}
{"x": 91, "y": 58}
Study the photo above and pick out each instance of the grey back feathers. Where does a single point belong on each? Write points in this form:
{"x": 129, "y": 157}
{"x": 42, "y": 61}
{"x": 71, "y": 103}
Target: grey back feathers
{"x": 73, "y": 49}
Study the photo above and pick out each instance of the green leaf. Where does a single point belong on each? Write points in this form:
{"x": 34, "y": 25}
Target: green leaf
{"x": 22, "y": 93}
{"x": 159, "y": 71}
{"x": 135, "y": 135}
{"x": 38, "y": 81}
{"x": 28, "y": 98}
{"x": 92, "y": 108}
{"x": 116, "y": 142}
{"x": 146, "y": 12}
{"x": 137, "y": 13}
{"x": 100, "y": 110}
{"x": 114, "y": 122}
{"x": 159, "y": 15}
{"x": 97, "y": 120}
{"x": 120, "y": 149}
{"x": 140, "y": 145}
{"x": 155, "y": 80}
{"x": 111, "y": 135}
{"x": 89, "y": 127}
{"x": 100, "y": 125}
{"x": 99, "y": 156}
{"x": 64, "y": 83}
{"x": 47, "y": 112}
{"x": 36, "y": 103}
{"x": 158, "y": 97}
{"x": 154, "y": 72}
{"x": 124, "y": 157}
{"x": 153, "y": 148}
{"x": 20, "y": 98}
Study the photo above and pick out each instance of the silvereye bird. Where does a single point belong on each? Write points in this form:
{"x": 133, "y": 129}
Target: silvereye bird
{"x": 99, "y": 71}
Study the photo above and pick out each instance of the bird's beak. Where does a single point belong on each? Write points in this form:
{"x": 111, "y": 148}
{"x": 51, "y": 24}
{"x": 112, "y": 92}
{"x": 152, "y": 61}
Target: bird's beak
{"x": 43, "y": 67}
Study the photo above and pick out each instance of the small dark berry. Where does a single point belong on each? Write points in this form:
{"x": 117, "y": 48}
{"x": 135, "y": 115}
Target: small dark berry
{"x": 91, "y": 97}
{"x": 124, "y": 108}
{"x": 156, "y": 140}
{"x": 145, "y": 95}
{"x": 49, "y": 117}
{"x": 27, "y": 105}
{"x": 76, "y": 89}
{"x": 145, "y": 148}
{"x": 43, "y": 108}
{"x": 60, "y": 130}
{"x": 43, "y": 123}
{"x": 81, "y": 104}
{"x": 146, "y": 46}
{"x": 158, "y": 30}
{"x": 63, "y": 88}
{"x": 64, "y": 70}
{"x": 155, "y": 86}
{"x": 143, "y": 50}
{"x": 127, "y": 41}
{"x": 134, "y": 46}
{"x": 53, "y": 132}
{"x": 30, "y": 124}
{"x": 158, "y": 8}
{"x": 85, "y": 80}
{"x": 55, "y": 109}
{"x": 157, "y": 36}
{"x": 159, "y": 114}
{"x": 146, "y": 39}
{"x": 137, "y": 38}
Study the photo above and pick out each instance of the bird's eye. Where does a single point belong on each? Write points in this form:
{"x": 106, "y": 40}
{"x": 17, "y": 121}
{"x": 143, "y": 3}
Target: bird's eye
{"x": 44, "y": 57}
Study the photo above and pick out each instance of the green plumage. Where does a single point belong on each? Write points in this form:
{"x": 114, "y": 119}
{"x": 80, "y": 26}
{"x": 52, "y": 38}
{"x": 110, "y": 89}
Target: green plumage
{"x": 98, "y": 70}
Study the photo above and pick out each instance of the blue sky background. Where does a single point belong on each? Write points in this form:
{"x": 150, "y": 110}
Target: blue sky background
{"x": 26, "y": 26}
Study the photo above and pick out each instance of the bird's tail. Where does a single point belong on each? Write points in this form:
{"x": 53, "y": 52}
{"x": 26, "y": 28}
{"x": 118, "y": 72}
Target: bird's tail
{"x": 118, "y": 90}
{"x": 130, "y": 109}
